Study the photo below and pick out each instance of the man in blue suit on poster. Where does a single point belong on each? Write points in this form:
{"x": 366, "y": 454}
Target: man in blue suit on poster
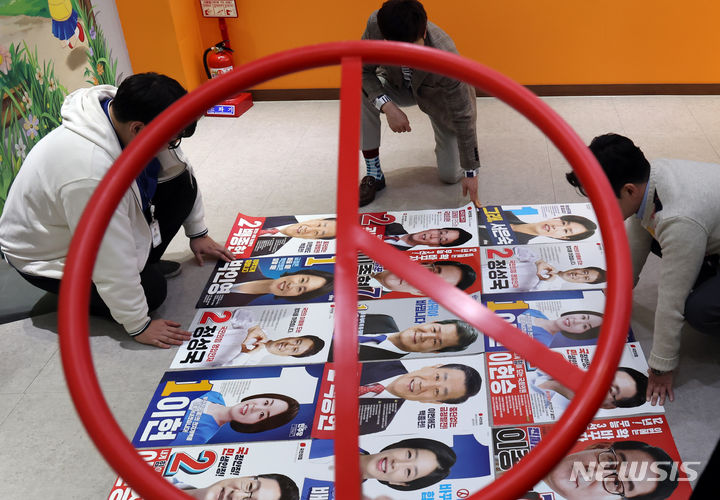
{"x": 384, "y": 387}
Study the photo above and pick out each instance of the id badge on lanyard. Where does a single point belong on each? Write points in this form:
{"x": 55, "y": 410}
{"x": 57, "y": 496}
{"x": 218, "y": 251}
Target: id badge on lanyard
{"x": 154, "y": 228}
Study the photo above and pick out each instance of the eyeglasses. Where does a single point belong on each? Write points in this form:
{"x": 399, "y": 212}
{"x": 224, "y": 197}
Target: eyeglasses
{"x": 174, "y": 143}
{"x": 608, "y": 460}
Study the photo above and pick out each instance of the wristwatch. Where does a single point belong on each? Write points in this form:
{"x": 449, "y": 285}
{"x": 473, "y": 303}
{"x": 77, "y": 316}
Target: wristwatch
{"x": 381, "y": 100}
{"x": 471, "y": 173}
{"x": 658, "y": 372}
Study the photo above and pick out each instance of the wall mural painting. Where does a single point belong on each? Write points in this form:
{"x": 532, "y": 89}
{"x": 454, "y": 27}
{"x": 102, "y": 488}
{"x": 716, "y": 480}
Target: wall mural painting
{"x": 48, "y": 48}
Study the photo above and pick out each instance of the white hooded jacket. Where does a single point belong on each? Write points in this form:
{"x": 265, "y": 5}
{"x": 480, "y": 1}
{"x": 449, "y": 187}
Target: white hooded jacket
{"x": 49, "y": 195}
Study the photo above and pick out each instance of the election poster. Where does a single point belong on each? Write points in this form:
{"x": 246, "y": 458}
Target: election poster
{"x": 257, "y": 336}
{"x": 282, "y": 235}
{"x": 556, "y": 319}
{"x": 535, "y": 224}
{"x": 444, "y": 466}
{"x": 626, "y": 456}
{"x": 424, "y": 229}
{"x": 457, "y": 266}
{"x": 413, "y": 328}
{"x": 293, "y": 279}
{"x": 536, "y": 268}
{"x": 231, "y": 405}
{"x": 266, "y": 470}
{"x": 522, "y": 394}
{"x": 416, "y": 397}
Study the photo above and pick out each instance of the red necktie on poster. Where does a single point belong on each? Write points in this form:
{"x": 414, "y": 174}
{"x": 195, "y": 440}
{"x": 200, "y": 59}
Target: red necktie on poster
{"x": 272, "y": 230}
{"x": 376, "y": 388}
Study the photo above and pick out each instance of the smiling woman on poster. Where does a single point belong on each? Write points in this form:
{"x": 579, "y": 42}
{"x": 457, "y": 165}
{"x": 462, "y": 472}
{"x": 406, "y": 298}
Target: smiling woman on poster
{"x": 302, "y": 285}
{"x": 256, "y": 413}
{"x": 406, "y": 465}
{"x": 565, "y": 227}
{"x": 571, "y": 328}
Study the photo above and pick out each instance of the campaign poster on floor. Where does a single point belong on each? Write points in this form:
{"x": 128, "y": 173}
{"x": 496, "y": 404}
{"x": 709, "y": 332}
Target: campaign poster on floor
{"x": 556, "y": 319}
{"x": 267, "y": 470}
{"x": 535, "y": 268}
{"x": 231, "y": 405}
{"x": 282, "y": 235}
{"x": 533, "y": 224}
{"x": 631, "y": 456}
{"x": 292, "y": 279}
{"x": 521, "y": 393}
{"x": 449, "y": 465}
{"x": 424, "y": 229}
{"x": 413, "y": 328}
{"x": 257, "y": 336}
{"x": 416, "y": 397}
{"x": 457, "y": 266}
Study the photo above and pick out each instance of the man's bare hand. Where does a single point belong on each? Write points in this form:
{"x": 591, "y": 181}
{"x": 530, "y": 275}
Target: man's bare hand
{"x": 163, "y": 333}
{"x": 660, "y": 386}
{"x": 396, "y": 117}
{"x": 545, "y": 271}
{"x": 206, "y": 246}
{"x": 470, "y": 187}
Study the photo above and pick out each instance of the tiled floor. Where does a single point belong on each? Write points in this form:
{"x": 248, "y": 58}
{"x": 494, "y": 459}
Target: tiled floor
{"x": 279, "y": 158}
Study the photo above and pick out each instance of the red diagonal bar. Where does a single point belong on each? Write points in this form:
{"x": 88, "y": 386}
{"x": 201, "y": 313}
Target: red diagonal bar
{"x": 345, "y": 339}
{"x": 465, "y": 307}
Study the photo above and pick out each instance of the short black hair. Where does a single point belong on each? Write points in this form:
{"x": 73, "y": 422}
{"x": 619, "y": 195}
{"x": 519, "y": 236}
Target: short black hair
{"x": 288, "y": 488}
{"x": 473, "y": 382}
{"x": 622, "y": 161}
{"x": 463, "y": 236}
{"x": 591, "y": 333}
{"x": 402, "y": 20}
{"x": 317, "y": 346}
{"x": 143, "y": 96}
{"x": 589, "y": 225}
{"x": 468, "y": 274}
{"x": 311, "y": 294}
{"x": 467, "y": 334}
{"x": 641, "y": 382}
{"x": 667, "y": 486}
{"x": 445, "y": 456}
{"x": 601, "y": 277}
{"x": 273, "y": 421}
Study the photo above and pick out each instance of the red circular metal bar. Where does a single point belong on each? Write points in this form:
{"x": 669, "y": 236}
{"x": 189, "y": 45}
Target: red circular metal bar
{"x": 74, "y": 297}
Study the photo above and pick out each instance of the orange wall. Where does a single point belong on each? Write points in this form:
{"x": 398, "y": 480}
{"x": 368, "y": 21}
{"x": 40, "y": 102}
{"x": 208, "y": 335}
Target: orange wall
{"x": 536, "y": 42}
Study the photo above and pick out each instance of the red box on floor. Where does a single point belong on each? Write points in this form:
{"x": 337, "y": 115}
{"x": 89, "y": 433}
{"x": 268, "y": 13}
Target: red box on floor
{"x": 235, "y": 106}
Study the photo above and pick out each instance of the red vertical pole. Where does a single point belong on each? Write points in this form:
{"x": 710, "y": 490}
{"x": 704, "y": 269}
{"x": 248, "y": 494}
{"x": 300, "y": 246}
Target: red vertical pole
{"x": 223, "y": 31}
{"x": 345, "y": 353}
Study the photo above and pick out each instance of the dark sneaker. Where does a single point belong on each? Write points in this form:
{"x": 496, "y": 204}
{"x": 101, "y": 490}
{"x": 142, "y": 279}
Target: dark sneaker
{"x": 368, "y": 187}
{"x": 169, "y": 268}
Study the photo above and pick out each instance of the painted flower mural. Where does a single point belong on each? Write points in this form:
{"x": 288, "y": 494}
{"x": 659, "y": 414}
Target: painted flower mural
{"x": 30, "y": 91}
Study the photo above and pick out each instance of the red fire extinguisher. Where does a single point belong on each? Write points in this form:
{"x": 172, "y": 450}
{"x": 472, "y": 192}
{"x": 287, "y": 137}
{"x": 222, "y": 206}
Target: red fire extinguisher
{"x": 219, "y": 59}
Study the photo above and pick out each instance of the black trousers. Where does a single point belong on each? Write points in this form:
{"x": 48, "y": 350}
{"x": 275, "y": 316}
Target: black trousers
{"x": 173, "y": 202}
{"x": 702, "y": 307}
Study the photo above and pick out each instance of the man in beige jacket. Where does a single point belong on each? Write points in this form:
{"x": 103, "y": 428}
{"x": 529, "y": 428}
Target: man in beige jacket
{"x": 671, "y": 209}
{"x": 449, "y": 103}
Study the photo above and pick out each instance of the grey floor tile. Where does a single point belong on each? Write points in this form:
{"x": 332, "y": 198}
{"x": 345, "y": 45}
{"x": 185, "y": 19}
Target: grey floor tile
{"x": 27, "y": 346}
